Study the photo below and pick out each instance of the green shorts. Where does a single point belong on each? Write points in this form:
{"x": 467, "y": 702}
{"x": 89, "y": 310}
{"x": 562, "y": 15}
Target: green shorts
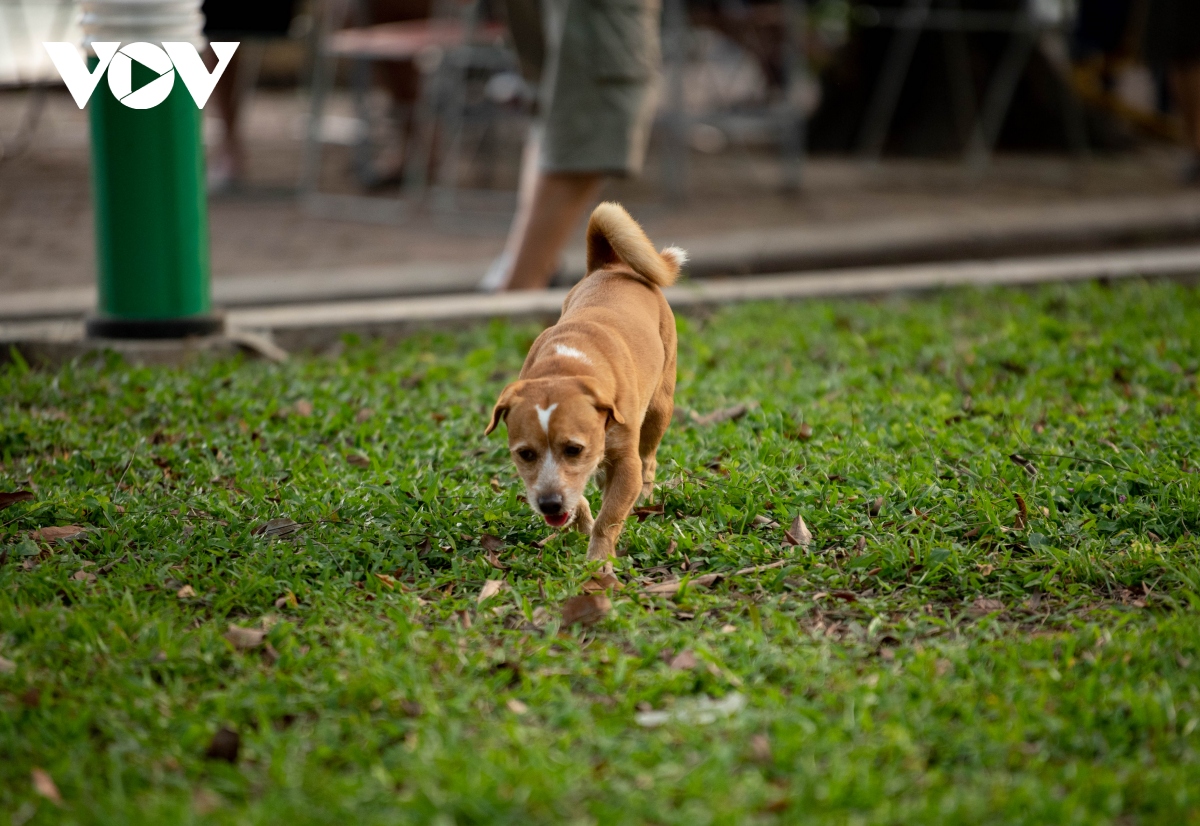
{"x": 596, "y": 64}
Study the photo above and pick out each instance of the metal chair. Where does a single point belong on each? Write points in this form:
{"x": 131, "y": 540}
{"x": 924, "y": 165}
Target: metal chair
{"x": 1032, "y": 21}
{"x": 452, "y": 50}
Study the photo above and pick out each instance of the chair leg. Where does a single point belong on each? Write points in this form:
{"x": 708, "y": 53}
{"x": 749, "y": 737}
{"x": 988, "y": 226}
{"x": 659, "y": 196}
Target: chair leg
{"x": 999, "y": 98}
{"x": 891, "y": 82}
{"x": 794, "y": 132}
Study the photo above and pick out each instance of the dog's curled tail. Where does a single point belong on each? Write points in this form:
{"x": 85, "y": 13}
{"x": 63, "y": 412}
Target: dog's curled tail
{"x": 613, "y": 236}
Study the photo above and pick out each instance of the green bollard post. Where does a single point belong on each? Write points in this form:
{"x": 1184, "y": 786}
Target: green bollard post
{"x": 152, "y": 245}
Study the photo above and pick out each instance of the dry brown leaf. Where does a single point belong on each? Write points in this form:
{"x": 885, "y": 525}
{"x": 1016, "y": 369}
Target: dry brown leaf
{"x": 601, "y": 582}
{"x": 765, "y": 521}
{"x": 491, "y": 543}
{"x": 364, "y": 415}
{"x": 494, "y": 561}
{"x": 358, "y": 460}
{"x": 798, "y": 533}
{"x": 385, "y": 580}
{"x": 728, "y": 629}
{"x": 14, "y": 497}
{"x": 804, "y": 432}
{"x": 224, "y": 746}
{"x": 303, "y": 407}
{"x": 277, "y": 527}
{"x": 516, "y": 706}
{"x": 7, "y": 666}
{"x": 83, "y": 576}
{"x": 60, "y": 533}
{"x": 671, "y": 587}
{"x": 643, "y": 514}
{"x": 986, "y": 570}
{"x": 288, "y": 600}
{"x": 587, "y": 609}
{"x": 245, "y": 638}
{"x": 683, "y": 661}
{"x": 490, "y": 588}
{"x": 495, "y": 483}
{"x": 724, "y": 415}
{"x": 875, "y": 507}
{"x": 43, "y": 784}
{"x": 983, "y": 606}
{"x": 1022, "y": 513}
{"x": 186, "y": 592}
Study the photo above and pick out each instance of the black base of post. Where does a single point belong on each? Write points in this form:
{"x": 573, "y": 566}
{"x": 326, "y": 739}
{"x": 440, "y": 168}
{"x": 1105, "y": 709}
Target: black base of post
{"x": 155, "y": 328}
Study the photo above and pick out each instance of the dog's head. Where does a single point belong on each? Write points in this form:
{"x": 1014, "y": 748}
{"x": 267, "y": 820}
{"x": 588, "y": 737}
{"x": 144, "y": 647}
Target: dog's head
{"x": 556, "y": 430}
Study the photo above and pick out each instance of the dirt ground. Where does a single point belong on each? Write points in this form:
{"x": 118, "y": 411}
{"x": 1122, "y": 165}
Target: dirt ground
{"x": 46, "y": 236}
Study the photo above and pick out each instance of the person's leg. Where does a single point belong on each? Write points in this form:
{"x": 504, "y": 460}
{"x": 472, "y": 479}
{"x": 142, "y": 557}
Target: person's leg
{"x": 228, "y": 161}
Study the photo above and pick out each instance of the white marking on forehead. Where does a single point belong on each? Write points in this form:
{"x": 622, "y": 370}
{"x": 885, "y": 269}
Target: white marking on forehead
{"x": 544, "y": 416}
{"x": 571, "y": 352}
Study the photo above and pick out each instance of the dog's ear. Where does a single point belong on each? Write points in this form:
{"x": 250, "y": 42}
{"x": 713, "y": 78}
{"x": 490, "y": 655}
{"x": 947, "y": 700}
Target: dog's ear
{"x": 507, "y": 397}
{"x": 601, "y": 400}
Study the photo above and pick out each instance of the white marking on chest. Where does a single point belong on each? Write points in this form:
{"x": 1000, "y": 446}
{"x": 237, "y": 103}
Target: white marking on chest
{"x": 572, "y": 353}
{"x": 544, "y": 416}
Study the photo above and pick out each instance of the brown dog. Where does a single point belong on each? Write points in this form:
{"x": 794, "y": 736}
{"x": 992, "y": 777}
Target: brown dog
{"x": 598, "y": 388}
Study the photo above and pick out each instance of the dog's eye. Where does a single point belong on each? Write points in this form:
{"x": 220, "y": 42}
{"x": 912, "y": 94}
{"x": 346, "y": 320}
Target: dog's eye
{"x": 572, "y": 450}
{"x": 527, "y": 455}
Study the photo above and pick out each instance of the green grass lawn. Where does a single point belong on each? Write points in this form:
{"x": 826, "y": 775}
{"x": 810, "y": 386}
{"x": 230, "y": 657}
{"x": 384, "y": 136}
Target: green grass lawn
{"x": 969, "y": 637}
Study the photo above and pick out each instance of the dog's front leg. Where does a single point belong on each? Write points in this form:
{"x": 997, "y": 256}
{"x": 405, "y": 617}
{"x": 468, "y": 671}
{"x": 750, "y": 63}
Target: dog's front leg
{"x": 623, "y": 485}
{"x": 583, "y": 521}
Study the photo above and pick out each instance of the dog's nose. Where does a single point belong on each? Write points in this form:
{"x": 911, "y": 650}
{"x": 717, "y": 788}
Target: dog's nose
{"x": 551, "y": 505}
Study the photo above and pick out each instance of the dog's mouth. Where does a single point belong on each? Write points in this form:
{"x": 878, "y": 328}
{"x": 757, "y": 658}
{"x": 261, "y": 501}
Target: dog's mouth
{"x": 558, "y": 520}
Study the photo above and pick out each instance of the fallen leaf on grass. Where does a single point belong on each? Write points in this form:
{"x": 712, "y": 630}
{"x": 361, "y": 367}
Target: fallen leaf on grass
{"x": 516, "y": 706}
{"x": 43, "y": 784}
{"x": 602, "y": 582}
{"x": 587, "y": 609}
{"x": 700, "y": 711}
{"x": 983, "y": 606}
{"x": 760, "y": 748}
{"x": 61, "y": 533}
{"x": 671, "y": 587}
{"x": 765, "y": 521}
{"x": 798, "y": 533}
{"x": 224, "y": 745}
{"x": 643, "y": 514}
{"x": 544, "y": 541}
{"x": 303, "y": 407}
{"x": 875, "y": 507}
{"x": 1022, "y": 513}
{"x": 186, "y": 592}
{"x": 386, "y": 580}
{"x": 364, "y": 415}
{"x": 491, "y": 543}
{"x": 728, "y": 629}
{"x": 490, "y": 588}
{"x": 683, "y": 661}
{"x": 802, "y": 433}
{"x": 1023, "y": 463}
{"x": 724, "y": 415}
{"x": 358, "y": 460}
{"x": 288, "y": 600}
{"x": 14, "y": 497}
{"x": 83, "y": 576}
{"x": 277, "y": 527}
{"x": 754, "y": 569}
{"x": 245, "y": 638}
{"x": 7, "y": 666}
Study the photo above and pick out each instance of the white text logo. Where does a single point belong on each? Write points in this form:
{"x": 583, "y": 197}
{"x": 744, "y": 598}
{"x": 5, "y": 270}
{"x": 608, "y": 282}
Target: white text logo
{"x": 165, "y": 61}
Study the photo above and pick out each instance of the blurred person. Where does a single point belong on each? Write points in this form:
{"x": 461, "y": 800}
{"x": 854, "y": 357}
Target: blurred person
{"x": 1172, "y": 46}
{"x": 233, "y": 20}
{"x": 595, "y": 65}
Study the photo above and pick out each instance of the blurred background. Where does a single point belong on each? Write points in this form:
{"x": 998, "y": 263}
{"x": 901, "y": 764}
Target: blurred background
{"x": 372, "y": 146}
